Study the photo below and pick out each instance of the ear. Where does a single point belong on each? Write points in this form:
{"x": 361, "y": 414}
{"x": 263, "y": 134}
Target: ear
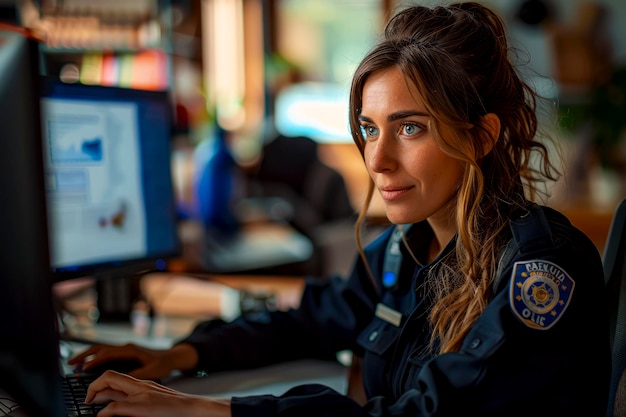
{"x": 491, "y": 123}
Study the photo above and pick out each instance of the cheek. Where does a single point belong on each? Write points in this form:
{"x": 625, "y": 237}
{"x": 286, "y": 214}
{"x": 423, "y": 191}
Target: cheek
{"x": 451, "y": 171}
{"x": 437, "y": 168}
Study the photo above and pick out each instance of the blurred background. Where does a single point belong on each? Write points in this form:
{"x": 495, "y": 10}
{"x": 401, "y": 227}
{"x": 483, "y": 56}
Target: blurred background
{"x": 266, "y": 83}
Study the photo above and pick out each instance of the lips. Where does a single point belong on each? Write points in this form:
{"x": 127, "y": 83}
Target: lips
{"x": 393, "y": 193}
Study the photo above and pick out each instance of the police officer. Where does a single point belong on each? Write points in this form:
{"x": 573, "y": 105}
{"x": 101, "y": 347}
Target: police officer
{"x": 477, "y": 301}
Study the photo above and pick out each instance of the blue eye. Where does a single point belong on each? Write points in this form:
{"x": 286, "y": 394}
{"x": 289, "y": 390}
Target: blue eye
{"x": 368, "y": 131}
{"x": 410, "y": 129}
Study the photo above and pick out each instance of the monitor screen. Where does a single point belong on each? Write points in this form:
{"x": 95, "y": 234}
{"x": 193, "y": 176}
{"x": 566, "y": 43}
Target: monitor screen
{"x": 29, "y": 366}
{"x": 107, "y": 158}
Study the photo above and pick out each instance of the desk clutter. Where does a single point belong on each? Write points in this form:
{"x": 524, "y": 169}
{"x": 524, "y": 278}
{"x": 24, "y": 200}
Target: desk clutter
{"x": 180, "y": 295}
{"x": 170, "y": 304}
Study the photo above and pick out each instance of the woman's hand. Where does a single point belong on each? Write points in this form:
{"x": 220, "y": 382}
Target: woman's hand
{"x": 130, "y": 397}
{"x": 155, "y": 364}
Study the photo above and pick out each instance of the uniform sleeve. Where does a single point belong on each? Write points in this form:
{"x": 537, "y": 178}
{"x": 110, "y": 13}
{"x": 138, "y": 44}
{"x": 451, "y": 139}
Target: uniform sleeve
{"x": 301, "y": 401}
{"x": 330, "y": 315}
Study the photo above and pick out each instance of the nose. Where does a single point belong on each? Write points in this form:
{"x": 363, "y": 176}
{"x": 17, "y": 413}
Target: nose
{"x": 379, "y": 154}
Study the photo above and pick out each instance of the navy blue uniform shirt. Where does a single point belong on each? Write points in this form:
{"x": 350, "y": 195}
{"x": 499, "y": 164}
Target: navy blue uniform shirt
{"x": 540, "y": 348}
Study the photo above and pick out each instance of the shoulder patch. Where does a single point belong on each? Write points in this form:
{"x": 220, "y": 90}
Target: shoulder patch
{"x": 540, "y": 292}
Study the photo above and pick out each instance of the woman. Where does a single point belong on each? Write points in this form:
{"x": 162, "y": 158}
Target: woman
{"x": 478, "y": 302}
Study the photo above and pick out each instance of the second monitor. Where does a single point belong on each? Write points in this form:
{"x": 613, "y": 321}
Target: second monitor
{"x": 111, "y": 201}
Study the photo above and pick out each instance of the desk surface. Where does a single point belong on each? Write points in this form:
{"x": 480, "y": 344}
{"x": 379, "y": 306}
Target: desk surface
{"x": 274, "y": 379}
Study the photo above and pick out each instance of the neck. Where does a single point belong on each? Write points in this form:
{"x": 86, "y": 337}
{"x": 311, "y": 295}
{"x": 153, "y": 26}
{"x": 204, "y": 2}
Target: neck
{"x": 442, "y": 234}
{"x": 433, "y": 250}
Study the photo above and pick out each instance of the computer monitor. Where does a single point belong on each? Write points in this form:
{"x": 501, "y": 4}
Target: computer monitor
{"x": 29, "y": 349}
{"x": 111, "y": 202}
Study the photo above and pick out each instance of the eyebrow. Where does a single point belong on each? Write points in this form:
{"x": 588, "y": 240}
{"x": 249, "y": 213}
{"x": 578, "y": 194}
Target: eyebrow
{"x": 397, "y": 115}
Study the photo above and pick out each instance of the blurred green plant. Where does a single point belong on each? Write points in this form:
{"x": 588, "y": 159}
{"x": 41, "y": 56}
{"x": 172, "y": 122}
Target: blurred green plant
{"x": 605, "y": 112}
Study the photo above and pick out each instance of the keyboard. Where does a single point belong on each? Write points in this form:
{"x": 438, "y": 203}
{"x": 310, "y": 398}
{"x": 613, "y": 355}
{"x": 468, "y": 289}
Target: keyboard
{"x": 74, "y": 392}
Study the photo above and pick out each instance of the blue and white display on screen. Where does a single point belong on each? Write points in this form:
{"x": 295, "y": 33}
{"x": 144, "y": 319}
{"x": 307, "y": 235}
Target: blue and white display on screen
{"x": 93, "y": 180}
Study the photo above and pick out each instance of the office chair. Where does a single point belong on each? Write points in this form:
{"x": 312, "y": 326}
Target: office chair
{"x": 614, "y": 262}
{"x": 291, "y": 170}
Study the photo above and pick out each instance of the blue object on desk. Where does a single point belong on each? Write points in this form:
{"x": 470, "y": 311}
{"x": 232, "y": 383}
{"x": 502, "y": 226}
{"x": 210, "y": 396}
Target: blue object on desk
{"x": 216, "y": 186}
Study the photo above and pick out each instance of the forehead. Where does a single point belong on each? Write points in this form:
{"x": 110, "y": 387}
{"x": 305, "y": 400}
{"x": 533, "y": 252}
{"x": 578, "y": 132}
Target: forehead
{"x": 389, "y": 87}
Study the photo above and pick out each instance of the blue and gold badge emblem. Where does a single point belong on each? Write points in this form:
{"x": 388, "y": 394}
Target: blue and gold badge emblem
{"x": 540, "y": 292}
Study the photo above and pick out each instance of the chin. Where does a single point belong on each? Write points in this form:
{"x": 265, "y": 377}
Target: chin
{"x": 397, "y": 218}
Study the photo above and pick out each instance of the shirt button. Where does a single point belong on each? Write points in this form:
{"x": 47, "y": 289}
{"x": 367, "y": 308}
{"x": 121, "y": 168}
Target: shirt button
{"x": 475, "y": 343}
{"x": 373, "y": 335}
